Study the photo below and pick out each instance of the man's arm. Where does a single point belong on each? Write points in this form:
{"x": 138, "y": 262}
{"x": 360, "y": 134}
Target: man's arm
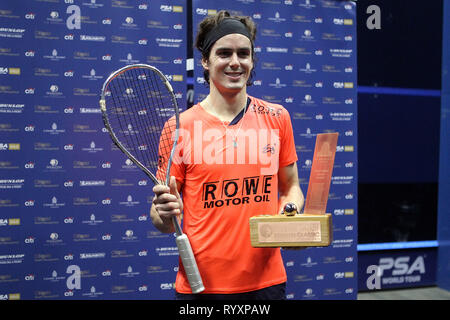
{"x": 289, "y": 187}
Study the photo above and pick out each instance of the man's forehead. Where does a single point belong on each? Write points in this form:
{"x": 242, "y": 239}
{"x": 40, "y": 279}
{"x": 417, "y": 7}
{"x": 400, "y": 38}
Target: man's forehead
{"x": 233, "y": 41}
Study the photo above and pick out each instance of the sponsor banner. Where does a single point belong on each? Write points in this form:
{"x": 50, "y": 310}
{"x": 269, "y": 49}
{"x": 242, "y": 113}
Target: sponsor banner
{"x": 393, "y": 269}
{"x": 74, "y": 219}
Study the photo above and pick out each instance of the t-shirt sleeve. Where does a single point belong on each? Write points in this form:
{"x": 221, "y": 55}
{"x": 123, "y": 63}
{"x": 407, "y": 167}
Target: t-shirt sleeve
{"x": 288, "y": 153}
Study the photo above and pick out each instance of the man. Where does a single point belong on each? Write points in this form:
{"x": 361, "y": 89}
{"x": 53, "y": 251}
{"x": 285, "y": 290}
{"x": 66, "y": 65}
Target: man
{"x": 236, "y": 159}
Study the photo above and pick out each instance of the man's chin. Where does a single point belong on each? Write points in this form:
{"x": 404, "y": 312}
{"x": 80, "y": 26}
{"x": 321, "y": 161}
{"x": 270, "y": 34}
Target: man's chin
{"x": 232, "y": 86}
{"x": 238, "y": 85}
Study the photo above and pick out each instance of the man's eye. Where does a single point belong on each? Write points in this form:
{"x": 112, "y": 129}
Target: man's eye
{"x": 227, "y": 54}
{"x": 224, "y": 53}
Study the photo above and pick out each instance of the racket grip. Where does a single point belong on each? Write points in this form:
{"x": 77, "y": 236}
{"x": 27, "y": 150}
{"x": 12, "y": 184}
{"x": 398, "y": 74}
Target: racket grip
{"x": 189, "y": 264}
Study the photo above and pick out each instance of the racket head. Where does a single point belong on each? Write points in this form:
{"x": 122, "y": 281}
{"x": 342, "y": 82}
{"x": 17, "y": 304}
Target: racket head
{"x": 141, "y": 114}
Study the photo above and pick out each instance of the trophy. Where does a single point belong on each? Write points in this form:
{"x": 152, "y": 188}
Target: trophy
{"x": 313, "y": 227}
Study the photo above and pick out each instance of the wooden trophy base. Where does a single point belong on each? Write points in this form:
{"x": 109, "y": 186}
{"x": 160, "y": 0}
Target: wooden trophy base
{"x": 313, "y": 228}
{"x": 300, "y": 230}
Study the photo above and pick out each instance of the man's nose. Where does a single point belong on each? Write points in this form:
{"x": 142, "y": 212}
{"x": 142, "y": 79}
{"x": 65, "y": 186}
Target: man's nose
{"x": 234, "y": 60}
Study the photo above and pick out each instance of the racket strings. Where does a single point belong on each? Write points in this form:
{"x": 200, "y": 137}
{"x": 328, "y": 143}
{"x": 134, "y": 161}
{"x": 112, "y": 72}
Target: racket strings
{"x": 143, "y": 143}
{"x": 140, "y": 109}
{"x": 164, "y": 102}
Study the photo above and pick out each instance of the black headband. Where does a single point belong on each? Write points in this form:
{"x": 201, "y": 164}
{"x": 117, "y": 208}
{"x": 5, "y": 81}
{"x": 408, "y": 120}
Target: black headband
{"x": 225, "y": 27}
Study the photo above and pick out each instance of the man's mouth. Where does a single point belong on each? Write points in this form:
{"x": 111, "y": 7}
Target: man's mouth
{"x": 233, "y": 74}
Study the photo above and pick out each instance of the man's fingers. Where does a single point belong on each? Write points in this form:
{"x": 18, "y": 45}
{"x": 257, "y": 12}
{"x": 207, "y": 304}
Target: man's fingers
{"x": 165, "y": 197}
{"x": 160, "y": 189}
{"x": 167, "y": 206}
{"x": 167, "y": 200}
{"x": 169, "y": 213}
{"x": 168, "y": 209}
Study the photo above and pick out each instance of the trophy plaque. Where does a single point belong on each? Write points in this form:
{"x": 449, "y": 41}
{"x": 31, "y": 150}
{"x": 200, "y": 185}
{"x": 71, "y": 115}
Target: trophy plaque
{"x": 313, "y": 228}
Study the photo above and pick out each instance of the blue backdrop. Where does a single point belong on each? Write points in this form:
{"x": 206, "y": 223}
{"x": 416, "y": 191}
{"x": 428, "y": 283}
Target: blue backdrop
{"x": 74, "y": 211}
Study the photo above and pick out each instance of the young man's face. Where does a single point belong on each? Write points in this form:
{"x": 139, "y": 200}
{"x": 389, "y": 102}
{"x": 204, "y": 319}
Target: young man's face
{"x": 230, "y": 63}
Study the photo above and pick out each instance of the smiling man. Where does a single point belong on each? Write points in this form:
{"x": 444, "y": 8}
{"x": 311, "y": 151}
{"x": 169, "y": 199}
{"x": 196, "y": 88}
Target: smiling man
{"x": 229, "y": 184}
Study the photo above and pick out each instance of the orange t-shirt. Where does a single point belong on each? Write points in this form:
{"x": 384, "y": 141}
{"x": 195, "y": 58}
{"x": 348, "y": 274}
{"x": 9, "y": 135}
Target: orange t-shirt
{"x": 224, "y": 184}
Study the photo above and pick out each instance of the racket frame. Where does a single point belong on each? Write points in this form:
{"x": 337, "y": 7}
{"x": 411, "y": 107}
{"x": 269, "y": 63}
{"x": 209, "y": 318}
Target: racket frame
{"x": 113, "y": 135}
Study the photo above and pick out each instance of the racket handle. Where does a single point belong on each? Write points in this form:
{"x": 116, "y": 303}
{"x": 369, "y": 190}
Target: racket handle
{"x": 189, "y": 264}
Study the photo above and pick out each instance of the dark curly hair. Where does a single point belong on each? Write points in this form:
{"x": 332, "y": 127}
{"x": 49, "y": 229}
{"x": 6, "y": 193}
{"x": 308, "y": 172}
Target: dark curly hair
{"x": 209, "y": 23}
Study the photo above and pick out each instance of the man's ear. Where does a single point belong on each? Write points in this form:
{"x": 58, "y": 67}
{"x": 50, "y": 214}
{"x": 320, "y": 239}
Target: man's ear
{"x": 205, "y": 64}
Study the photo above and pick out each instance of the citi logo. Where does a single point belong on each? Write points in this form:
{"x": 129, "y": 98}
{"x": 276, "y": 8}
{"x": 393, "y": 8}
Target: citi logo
{"x": 107, "y": 273}
{"x": 29, "y": 240}
{"x": 68, "y": 257}
{"x": 29, "y": 277}
{"x": 68, "y": 183}
{"x": 202, "y": 12}
{"x": 143, "y": 288}
{"x": 106, "y": 165}
{"x": 69, "y": 73}
{"x": 142, "y": 182}
{"x": 143, "y": 217}
{"x": 29, "y": 165}
{"x": 106, "y": 201}
{"x": 106, "y": 237}
{"x": 29, "y": 128}
{"x": 69, "y": 220}
{"x": 29, "y": 203}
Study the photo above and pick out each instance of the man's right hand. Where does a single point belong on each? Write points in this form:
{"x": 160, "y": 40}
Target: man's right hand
{"x": 167, "y": 203}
